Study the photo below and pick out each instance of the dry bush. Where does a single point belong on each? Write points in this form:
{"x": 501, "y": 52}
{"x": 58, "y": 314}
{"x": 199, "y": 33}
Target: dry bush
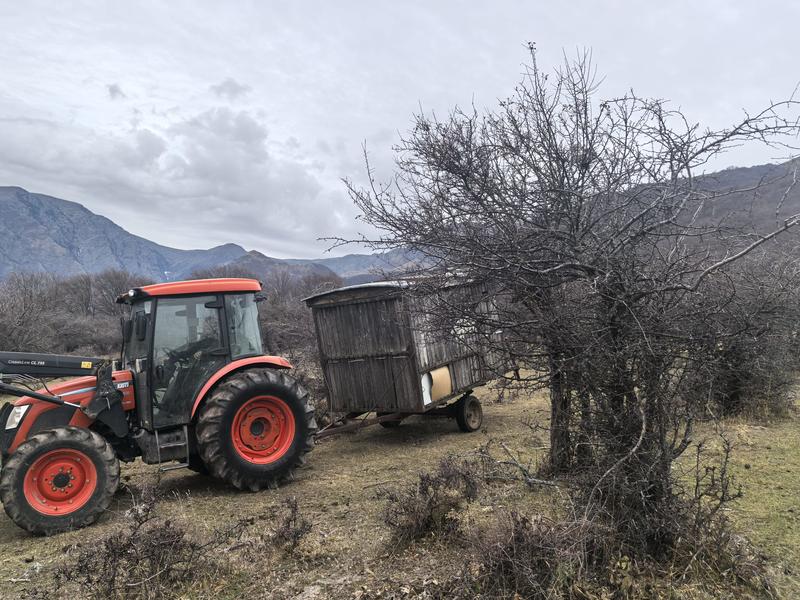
{"x": 308, "y": 372}
{"x": 45, "y": 313}
{"x": 431, "y": 505}
{"x": 533, "y": 557}
{"x": 148, "y": 557}
{"x": 286, "y": 530}
{"x": 592, "y": 552}
{"x": 749, "y": 355}
{"x": 588, "y": 228}
{"x": 291, "y": 527}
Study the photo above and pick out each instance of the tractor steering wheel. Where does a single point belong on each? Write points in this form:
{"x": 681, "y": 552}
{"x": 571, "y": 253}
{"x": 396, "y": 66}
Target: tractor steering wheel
{"x": 188, "y": 350}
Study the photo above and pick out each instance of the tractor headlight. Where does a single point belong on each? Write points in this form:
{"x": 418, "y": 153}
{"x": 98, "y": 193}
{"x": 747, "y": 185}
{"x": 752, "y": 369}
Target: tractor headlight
{"x": 16, "y": 416}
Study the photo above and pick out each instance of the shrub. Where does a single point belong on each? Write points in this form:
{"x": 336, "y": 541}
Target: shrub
{"x": 431, "y": 504}
{"x": 292, "y": 527}
{"x": 148, "y": 557}
{"x": 591, "y": 552}
{"x": 533, "y": 557}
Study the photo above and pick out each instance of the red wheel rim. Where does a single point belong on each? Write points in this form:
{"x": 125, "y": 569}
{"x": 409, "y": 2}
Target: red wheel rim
{"x": 263, "y": 429}
{"x": 60, "y": 482}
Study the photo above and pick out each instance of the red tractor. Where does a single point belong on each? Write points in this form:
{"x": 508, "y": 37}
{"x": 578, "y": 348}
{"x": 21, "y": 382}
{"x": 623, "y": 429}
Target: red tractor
{"x": 192, "y": 386}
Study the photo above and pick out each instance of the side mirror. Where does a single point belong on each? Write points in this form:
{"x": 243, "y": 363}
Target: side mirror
{"x": 140, "y": 325}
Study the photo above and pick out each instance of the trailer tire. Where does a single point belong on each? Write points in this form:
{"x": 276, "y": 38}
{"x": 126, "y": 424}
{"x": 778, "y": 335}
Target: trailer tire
{"x": 59, "y": 480}
{"x": 255, "y": 429}
{"x": 469, "y": 413}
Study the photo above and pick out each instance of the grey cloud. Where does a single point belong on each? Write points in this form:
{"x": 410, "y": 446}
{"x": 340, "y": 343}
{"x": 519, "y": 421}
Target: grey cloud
{"x": 218, "y": 169}
{"x": 230, "y": 89}
{"x": 115, "y": 91}
{"x": 324, "y": 80}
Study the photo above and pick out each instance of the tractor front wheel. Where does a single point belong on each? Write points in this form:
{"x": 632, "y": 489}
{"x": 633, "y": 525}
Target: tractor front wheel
{"x": 256, "y": 428}
{"x": 58, "y": 480}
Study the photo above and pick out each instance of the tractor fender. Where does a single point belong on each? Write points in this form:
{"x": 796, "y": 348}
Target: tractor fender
{"x": 272, "y": 362}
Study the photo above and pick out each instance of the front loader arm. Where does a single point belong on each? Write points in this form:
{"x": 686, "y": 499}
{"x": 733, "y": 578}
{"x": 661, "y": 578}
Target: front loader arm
{"x": 106, "y": 403}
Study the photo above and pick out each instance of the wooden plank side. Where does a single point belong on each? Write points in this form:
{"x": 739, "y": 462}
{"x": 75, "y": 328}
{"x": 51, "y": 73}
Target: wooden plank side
{"x": 435, "y": 346}
{"x": 365, "y": 329}
{"x": 407, "y": 386}
{"x": 467, "y": 373}
{"x": 360, "y": 385}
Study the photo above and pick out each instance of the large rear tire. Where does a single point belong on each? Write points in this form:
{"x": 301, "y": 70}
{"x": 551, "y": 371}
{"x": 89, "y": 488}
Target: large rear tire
{"x": 59, "y": 480}
{"x": 255, "y": 429}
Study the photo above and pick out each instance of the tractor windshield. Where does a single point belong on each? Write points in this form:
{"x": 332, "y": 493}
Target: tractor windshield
{"x": 243, "y": 331}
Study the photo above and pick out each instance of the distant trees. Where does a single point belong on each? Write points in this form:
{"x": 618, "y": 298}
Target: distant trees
{"x": 751, "y": 346}
{"x": 286, "y": 324}
{"x": 40, "y": 312}
{"x": 616, "y": 288}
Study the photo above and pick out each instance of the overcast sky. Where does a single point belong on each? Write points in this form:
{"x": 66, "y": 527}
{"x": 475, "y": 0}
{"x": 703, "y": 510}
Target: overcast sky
{"x": 199, "y": 123}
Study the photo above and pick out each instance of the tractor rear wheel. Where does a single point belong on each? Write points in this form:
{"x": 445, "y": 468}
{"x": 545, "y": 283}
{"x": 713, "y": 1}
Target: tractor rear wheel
{"x": 256, "y": 428}
{"x": 58, "y": 480}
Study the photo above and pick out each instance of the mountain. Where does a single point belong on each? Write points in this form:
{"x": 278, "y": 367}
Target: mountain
{"x": 364, "y": 266}
{"x": 46, "y": 234}
{"x": 264, "y": 266}
{"x": 759, "y": 197}
{"x": 40, "y": 233}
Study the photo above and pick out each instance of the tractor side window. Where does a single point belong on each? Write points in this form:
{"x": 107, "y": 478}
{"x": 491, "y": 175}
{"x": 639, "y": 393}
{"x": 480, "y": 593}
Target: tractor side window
{"x": 187, "y": 351}
{"x": 243, "y": 330}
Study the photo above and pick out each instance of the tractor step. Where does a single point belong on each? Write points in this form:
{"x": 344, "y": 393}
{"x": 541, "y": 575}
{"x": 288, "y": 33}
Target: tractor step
{"x": 176, "y": 438}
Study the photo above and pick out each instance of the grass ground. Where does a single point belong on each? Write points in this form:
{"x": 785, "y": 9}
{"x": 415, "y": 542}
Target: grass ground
{"x": 348, "y": 553}
{"x": 766, "y": 462}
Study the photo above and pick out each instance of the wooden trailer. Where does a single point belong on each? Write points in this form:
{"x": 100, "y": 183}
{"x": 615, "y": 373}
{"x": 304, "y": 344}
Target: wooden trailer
{"x": 380, "y": 354}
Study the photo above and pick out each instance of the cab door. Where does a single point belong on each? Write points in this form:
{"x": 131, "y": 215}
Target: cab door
{"x": 189, "y": 346}
{"x": 137, "y": 334}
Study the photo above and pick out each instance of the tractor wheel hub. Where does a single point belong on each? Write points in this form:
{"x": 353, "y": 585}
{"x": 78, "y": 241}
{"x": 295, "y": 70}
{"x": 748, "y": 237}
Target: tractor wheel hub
{"x": 61, "y": 480}
{"x": 263, "y": 429}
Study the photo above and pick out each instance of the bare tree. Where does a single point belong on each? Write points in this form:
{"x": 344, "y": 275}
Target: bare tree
{"x": 590, "y": 218}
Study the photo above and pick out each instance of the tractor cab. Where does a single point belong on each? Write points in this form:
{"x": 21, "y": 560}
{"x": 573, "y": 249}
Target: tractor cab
{"x": 178, "y": 335}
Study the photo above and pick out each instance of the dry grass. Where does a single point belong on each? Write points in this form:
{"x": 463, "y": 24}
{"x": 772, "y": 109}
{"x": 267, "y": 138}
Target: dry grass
{"x": 348, "y": 552}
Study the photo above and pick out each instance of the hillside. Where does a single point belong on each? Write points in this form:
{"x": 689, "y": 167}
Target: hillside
{"x": 355, "y": 265}
{"x": 759, "y": 197}
{"x": 45, "y": 234}
{"x": 40, "y": 233}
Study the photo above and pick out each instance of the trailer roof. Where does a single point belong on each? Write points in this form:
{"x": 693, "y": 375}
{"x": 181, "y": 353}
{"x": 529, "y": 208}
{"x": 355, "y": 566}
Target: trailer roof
{"x": 196, "y": 286}
{"x": 375, "y": 285}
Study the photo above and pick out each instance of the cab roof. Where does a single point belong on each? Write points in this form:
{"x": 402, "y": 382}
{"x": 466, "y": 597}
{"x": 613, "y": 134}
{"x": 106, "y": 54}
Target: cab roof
{"x": 195, "y": 286}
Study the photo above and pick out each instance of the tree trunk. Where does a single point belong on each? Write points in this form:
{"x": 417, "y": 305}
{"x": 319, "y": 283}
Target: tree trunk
{"x": 560, "y": 451}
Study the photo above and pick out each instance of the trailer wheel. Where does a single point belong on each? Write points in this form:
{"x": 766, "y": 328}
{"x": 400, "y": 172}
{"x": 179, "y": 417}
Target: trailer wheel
{"x": 59, "y": 480}
{"x": 255, "y": 429}
{"x": 469, "y": 414}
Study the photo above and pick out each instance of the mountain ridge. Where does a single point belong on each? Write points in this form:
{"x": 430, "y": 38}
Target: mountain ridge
{"x": 41, "y": 233}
